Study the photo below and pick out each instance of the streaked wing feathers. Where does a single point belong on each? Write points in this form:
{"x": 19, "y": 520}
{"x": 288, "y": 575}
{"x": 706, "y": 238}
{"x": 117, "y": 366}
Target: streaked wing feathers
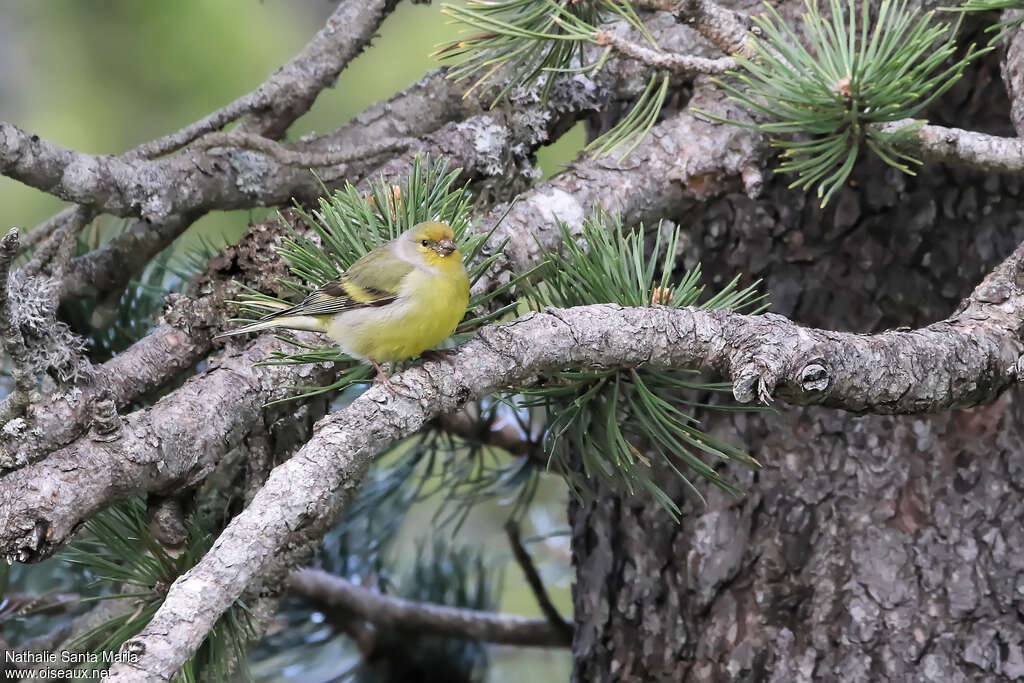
{"x": 373, "y": 280}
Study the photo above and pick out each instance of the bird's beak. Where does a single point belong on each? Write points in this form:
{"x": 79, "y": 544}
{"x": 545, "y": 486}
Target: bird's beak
{"x": 445, "y": 247}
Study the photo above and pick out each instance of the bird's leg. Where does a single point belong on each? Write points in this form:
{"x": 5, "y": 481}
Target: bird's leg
{"x": 382, "y": 378}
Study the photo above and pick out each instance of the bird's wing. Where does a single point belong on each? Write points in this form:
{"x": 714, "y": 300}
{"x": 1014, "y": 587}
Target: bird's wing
{"x": 378, "y": 273}
{"x": 373, "y": 280}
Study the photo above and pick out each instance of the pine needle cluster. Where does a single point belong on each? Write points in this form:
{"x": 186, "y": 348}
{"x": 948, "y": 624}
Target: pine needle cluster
{"x": 603, "y": 424}
{"x": 119, "y": 550}
{"x": 526, "y": 44}
{"x": 1010, "y": 17}
{"x": 827, "y": 93}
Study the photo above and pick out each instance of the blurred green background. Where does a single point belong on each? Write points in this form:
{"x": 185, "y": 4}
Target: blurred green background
{"x": 105, "y": 75}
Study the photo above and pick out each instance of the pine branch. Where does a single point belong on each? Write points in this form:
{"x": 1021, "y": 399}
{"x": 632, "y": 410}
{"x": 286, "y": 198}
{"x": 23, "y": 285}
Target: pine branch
{"x": 684, "y": 64}
{"x": 966, "y": 360}
{"x": 398, "y": 613}
{"x": 827, "y": 94}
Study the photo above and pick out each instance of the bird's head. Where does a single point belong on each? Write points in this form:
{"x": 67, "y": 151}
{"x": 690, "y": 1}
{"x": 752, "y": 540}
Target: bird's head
{"x": 435, "y": 241}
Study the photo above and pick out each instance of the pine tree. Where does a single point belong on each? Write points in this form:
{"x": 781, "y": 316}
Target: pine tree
{"x": 218, "y": 510}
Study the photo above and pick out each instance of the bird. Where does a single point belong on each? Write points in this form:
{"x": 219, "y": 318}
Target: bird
{"x": 394, "y": 303}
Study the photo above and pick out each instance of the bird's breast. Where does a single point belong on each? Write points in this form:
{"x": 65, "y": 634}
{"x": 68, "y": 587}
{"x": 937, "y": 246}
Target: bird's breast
{"x": 428, "y": 309}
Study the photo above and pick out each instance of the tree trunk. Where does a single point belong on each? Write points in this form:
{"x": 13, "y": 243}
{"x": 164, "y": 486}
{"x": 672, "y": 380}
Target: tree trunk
{"x": 868, "y": 548}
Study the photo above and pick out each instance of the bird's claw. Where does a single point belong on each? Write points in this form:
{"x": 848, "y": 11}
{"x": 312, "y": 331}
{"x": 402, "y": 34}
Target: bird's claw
{"x": 393, "y": 387}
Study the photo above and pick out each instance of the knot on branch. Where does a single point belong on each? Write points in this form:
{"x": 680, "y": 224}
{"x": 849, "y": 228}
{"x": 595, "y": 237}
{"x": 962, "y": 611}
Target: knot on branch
{"x": 814, "y": 377}
{"x": 167, "y": 524}
{"x": 106, "y": 423}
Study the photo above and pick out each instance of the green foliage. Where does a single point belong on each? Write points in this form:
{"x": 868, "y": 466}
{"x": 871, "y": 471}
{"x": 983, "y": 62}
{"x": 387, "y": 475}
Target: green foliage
{"x": 349, "y": 224}
{"x": 119, "y": 550}
{"x": 1003, "y": 27}
{"x": 609, "y": 419}
{"x": 846, "y": 80}
{"x": 532, "y": 43}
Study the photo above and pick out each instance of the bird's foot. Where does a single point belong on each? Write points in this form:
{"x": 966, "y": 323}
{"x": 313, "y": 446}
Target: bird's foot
{"x": 393, "y": 387}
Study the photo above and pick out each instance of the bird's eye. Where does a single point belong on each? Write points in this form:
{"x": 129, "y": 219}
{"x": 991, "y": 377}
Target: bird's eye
{"x": 425, "y": 243}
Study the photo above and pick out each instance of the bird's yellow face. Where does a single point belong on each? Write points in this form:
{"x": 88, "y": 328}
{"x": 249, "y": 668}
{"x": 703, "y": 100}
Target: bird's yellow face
{"x": 435, "y": 242}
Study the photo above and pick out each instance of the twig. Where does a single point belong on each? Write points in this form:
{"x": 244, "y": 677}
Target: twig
{"x": 212, "y": 122}
{"x": 683, "y": 64}
{"x": 536, "y": 584}
{"x": 45, "y": 229}
{"x": 968, "y": 359}
{"x": 291, "y": 90}
{"x": 507, "y": 437}
{"x": 292, "y": 157}
{"x": 393, "y": 612}
{"x": 23, "y": 604}
{"x": 58, "y": 246}
{"x": 10, "y": 336}
{"x": 961, "y": 147}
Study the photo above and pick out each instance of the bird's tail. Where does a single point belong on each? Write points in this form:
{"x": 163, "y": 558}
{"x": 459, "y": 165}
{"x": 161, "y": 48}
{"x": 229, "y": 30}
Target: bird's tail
{"x": 281, "y": 319}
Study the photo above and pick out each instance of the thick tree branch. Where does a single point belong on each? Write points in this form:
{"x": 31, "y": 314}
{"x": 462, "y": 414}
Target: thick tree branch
{"x": 392, "y": 612}
{"x": 157, "y": 190}
{"x": 174, "y": 443}
{"x": 965, "y": 360}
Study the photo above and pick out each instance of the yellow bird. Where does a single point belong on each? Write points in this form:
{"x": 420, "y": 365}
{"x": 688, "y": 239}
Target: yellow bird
{"x": 394, "y": 303}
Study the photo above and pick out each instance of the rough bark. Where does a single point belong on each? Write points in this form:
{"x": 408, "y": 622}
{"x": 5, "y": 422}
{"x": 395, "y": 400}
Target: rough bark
{"x": 869, "y": 548}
